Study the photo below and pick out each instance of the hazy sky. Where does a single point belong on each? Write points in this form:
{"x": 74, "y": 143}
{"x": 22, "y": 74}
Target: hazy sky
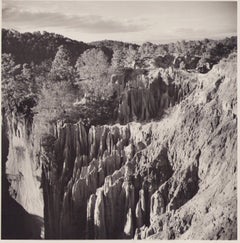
{"x": 127, "y": 21}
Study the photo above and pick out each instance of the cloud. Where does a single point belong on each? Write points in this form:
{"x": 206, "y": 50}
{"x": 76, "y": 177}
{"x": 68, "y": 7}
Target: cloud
{"x": 200, "y": 33}
{"x": 84, "y": 23}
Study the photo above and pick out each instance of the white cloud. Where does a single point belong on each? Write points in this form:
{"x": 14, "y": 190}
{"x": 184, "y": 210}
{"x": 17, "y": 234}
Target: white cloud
{"x": 84, "y": 23}
{"x": 127, "y": 21}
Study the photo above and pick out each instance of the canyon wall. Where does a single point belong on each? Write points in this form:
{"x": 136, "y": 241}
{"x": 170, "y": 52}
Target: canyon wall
{"x": 170, "y": 179}
{"x": 204, "y": 145}
{"x": 23, "y": 170}
{"x": 147, "y": 93}
{"x": 167, "y": 170}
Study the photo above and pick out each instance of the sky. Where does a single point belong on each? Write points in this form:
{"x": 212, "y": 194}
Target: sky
{"x": 130, "y": 21}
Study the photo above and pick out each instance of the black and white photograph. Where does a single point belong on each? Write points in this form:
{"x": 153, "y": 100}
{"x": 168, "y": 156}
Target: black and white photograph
{"x": 119, "y": 120}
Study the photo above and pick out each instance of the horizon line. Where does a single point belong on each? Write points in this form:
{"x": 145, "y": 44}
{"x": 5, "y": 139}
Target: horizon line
{"x": 156, "y": 42}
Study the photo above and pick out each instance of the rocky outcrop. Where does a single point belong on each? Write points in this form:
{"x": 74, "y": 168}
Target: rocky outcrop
{"x": 165, "y": 165}
{"x": 16, "y": 222}
{"x": 76, "y": 168}
{"x": 166, "y": 179}
{"x": 148, "y": 94}
{"x": 90, "y": 181}
{"x": 190, "y": 203}
{"x": 174, "y": 178}
{"x": 22, "y": 169}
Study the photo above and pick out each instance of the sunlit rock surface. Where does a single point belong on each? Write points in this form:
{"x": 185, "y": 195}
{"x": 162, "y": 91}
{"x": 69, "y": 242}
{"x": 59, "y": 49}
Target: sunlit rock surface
{"x": 167, "y": 170}
{"x": 22, "y": 169}
{"x": 146, "y": 94}
{"x": 168, "y": 179}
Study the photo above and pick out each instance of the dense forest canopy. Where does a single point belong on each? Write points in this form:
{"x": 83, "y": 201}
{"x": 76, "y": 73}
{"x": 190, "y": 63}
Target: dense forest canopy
{"x": 55, "y": 77}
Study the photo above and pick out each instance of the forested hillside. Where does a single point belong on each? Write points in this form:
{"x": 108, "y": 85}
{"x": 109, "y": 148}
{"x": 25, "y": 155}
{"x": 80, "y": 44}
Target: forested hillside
{"x": 37, "y": 67}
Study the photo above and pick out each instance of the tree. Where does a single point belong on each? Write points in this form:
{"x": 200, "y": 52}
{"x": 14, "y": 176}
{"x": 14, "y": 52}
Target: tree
{"x": 17, "y": 93}
{"x": 29, "y": 75}
{"x": 98, "y": 110}
{"x": 55, "y": 102}
{"x": 118, "y": 58}
{"x": 147, "y": 49}
{"x": 132, "y": 55}
{"x": 92, "y": 64}
{"x": 161, "y": 50}
{"x": 181, "y": 47}
{"x": 61, "y": 66}
{"x": 93, "y": 73}
{"x": 9, "y": 71}
{"x": 171, "y": 48}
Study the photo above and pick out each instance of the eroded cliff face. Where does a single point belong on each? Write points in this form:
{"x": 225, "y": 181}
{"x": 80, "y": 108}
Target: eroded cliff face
{"x": 204, "y": 145}
{"x": 22, "y": 169}
{"x": 148, "y": 93}
{"x": 170, "y": 179}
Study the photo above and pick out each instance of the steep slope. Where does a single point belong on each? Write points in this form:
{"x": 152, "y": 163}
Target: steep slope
{"x": 148, "y": 93}
{"x": 22, "y": 168}
{"x": 162, "y": 167}
{"x": 37, "y": 47}
{"x": 164, "y": 179}
{"x": 204, "y": 146}
{"x": 16, "y": 222}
